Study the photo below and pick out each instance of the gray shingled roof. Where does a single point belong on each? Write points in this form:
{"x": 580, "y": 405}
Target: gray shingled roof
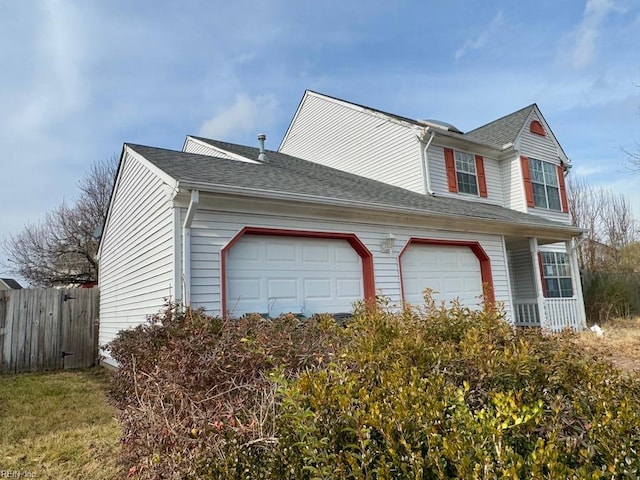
{"x": 503, "y": 130}
{"x": 11, "y": 283}
{"x": 291, "y": 175}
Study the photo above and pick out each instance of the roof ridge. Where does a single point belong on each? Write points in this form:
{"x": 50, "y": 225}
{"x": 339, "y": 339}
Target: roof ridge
{"x": 377, "y": 110}
{"x": 528, "y": 107}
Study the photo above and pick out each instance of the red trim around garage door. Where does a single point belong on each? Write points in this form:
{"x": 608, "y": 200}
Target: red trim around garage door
{"x": 476, "y": 248}
{"x": 368, "y": 281}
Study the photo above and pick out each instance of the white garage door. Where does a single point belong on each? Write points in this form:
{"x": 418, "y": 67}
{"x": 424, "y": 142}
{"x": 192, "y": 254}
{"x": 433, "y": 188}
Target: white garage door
{"x": 273, "y": 275}
{"x": 452, "y": 272}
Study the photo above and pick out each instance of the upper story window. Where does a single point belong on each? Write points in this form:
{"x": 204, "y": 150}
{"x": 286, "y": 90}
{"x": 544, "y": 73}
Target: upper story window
{"x": 544, "y": 185}
{"x": 557, "y": 274}
{"x": 544, "y": 180}
{"x": 465, "y": 173}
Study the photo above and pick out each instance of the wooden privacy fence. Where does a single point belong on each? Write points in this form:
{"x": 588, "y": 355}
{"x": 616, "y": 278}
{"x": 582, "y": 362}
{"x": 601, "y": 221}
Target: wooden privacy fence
{"x": 48, "y": 329}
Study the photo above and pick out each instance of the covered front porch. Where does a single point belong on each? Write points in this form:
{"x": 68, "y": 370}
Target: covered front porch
{"x": 545, "y": 284}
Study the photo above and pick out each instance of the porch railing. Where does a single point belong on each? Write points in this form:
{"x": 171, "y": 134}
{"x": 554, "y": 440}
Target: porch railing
{"x": 527, "y": 313}
{"x": 559, "y": 313}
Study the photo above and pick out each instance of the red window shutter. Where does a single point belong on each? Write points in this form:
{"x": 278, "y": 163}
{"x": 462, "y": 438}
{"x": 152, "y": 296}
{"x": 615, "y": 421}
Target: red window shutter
{"x": 526, "y": 176}
{"x": 482, "y": 180}
{"x": 544, "y": 285}
{"x": 563, "y": 190}
{"x": 450, "y": 163}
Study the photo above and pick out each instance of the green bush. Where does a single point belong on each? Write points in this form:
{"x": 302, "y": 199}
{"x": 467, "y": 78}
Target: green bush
{"x": 610, "y": 295}
{"x": 415, "y": 393}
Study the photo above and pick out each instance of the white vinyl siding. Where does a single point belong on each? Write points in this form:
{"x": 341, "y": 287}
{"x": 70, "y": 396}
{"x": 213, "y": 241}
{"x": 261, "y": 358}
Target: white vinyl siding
{"x": 136, "y": 254}
{"x": 438, "y": 177}
{"x": 358, "y": 142}
{"x": 211, "y": 230}
{"x": 193, "y": 146}
{"x": 513, "y": 185}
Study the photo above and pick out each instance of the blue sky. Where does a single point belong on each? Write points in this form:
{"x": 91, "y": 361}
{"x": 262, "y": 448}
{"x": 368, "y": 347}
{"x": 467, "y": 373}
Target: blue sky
{"x": 80, "y": 78}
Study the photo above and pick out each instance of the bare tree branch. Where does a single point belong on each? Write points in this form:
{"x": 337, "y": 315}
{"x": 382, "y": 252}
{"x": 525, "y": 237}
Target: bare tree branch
{"x": 608, "y": 220}
{"x": 61, "y": 248}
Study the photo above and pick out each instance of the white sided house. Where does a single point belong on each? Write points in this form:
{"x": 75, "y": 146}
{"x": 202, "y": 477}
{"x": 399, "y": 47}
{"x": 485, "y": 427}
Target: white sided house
{"x": 514, "y": 162}
{"x": 236, "y": 229}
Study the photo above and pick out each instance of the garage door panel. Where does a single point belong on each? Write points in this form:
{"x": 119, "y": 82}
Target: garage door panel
{"x": 447, "y": 259}
{"x": 248, "y": 288}
{"x": 246, "y": 252}
{"x": 349, "y": 289}
{"x": 453, "y": 286}
{"x": 306, "y": 275}
{"x": 280, "y": 252}
{"x": 452, "y": 272}
{"x": 471, "y": 285}
{"x": 317, "y": 288}
{"x": 282, "y": 288}
{"x": 469, "y": 261}
{"x": 346, "y": 255}
{"x": 315, "y": 254}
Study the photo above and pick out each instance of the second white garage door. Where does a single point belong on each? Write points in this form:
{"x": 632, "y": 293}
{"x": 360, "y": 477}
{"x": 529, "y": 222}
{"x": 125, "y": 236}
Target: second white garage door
{"x": 451, "y": 271}
{"x": 273, "y": 274}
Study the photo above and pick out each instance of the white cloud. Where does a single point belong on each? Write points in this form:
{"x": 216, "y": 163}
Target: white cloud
{"x": 582, "y": 51}
{"x": 245, "y": 115}
{"x": 58, "y": 87}
{"x": 589, "y": 170}
{"x": 481, "y": 40}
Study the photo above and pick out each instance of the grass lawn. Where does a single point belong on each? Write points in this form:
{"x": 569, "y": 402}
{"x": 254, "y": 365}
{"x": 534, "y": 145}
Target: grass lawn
{"x": 58, "y": 425}
{"x": 620, "y": 343}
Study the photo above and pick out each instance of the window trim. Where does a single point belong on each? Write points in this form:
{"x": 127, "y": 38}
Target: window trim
{"x": 452, "y": 173}
{"x": 528, "y": 185}
{"x": 461, "y": 157}
{"x": 556, "y": 263}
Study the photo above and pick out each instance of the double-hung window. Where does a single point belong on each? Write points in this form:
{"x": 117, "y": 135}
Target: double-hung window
{"x": 466, "y": 173}
{"x": 557, "y": 274}
{"x": 545, "y": 185}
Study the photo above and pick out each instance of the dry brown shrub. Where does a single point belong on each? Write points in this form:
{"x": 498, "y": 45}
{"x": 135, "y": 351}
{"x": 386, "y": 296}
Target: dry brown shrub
{"x": 189, "y": 384}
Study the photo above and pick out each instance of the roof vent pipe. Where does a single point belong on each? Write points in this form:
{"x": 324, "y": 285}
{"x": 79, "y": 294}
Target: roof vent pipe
{"x": 262, "y": 156}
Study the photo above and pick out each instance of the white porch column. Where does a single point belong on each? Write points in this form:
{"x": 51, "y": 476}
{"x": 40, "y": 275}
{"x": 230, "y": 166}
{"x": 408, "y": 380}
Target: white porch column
{"x": 572, "y": 251}
{"x": 533, "y": 247}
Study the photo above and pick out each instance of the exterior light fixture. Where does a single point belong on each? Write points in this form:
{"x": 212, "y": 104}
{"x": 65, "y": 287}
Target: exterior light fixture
{"x": 387, "y": 244}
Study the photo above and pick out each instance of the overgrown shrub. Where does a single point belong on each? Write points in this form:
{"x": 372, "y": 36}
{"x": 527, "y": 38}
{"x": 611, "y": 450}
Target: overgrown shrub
{"x": 429, "y": 393}
{"x": 193, "y": 388}
{"x": 609, "y": 295}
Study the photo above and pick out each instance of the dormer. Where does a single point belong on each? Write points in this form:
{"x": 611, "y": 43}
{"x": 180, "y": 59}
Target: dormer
{"x": 533, "y": 178}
